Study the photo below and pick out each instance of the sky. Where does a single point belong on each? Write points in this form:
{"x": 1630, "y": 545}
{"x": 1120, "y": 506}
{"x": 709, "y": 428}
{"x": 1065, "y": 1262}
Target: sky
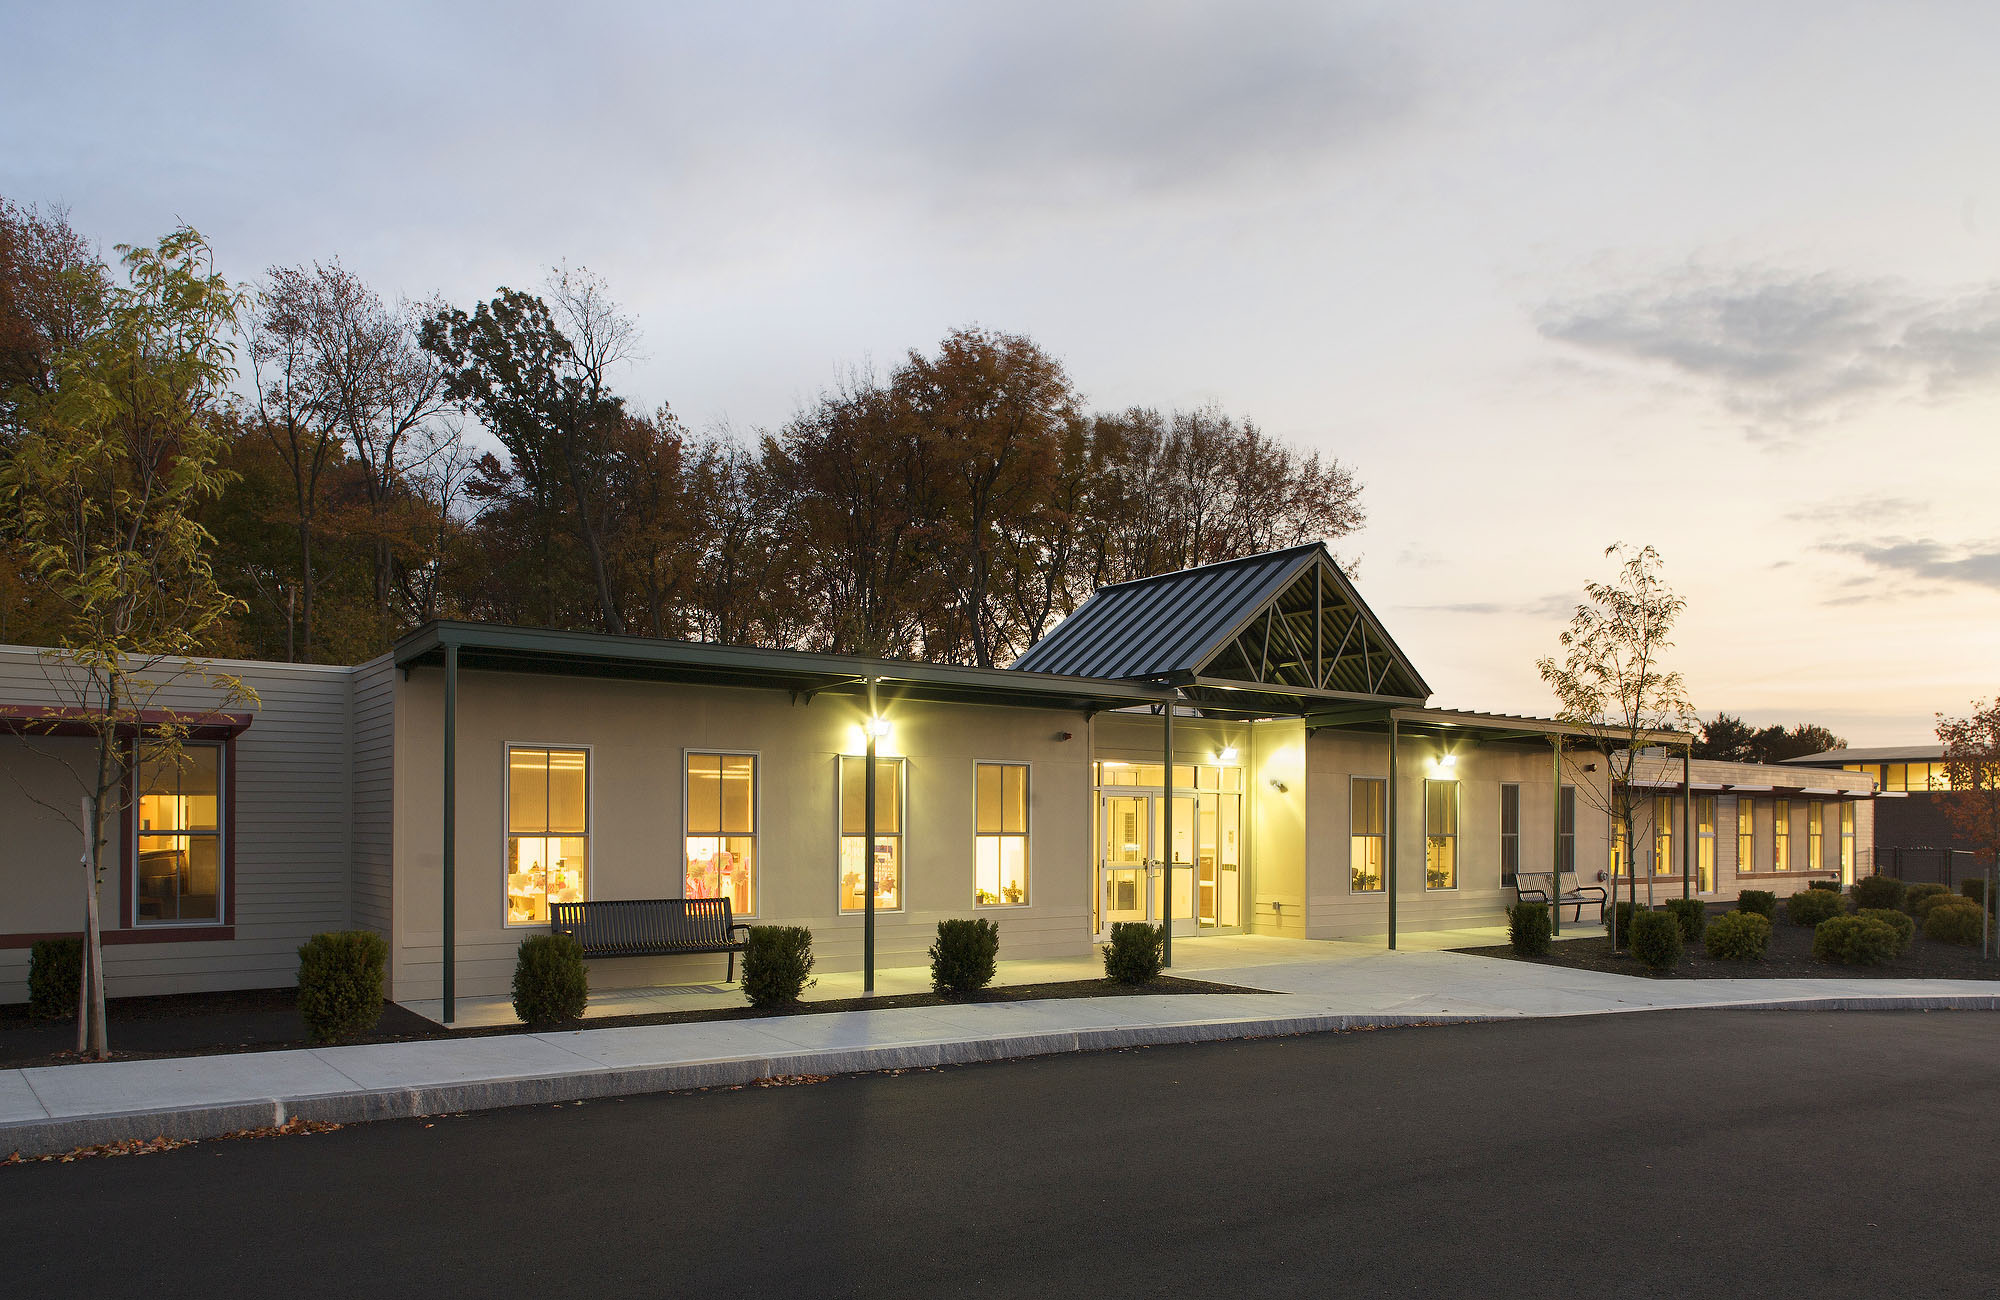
{"x": 1719, "y": 278}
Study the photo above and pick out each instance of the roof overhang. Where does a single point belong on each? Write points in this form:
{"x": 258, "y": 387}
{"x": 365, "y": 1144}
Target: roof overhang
{"x": 487, "y": 647}
{"x": 63, "y": 720}
{"x": 1463, "y": 724}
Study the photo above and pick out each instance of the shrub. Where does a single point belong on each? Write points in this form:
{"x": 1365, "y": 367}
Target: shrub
{"x": 1738, "y": 936}
{"x": 1692, "y": 913}
{"x": 1622, "y": 913}
{"x": 962, "y": 958}
{"x": 551, "y": 986}
{"x": 55, "y": 978}
{"x": 1874, "y": 892}
{"x": 1914, "y": 894}
{"x": 1958, "y": 921}
{"x": 340, "y": 983}
{"x": 1811, "y": 906}
{"x": 777, "y": 964}
{"x": 1656, "y": 939}
{"x": 1856, "y": 940}
{"x": 1899, "y": 921}
{"x": 1528, "y": 929}
{"x": 1922, "y": 907}
{"x": 1761, "y": 901}
{"x": 1133, "y": 955}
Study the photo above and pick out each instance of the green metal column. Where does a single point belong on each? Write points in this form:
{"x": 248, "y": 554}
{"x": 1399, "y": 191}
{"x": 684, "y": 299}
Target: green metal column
{"x": 1167, "y": 849}
{"x": 1556, "y": 837}
{"x": 868, "y": 848}
{"x": 1389, "y": 868}
{"x": 1687, "y": 820}
{"x": 450, "y": 939}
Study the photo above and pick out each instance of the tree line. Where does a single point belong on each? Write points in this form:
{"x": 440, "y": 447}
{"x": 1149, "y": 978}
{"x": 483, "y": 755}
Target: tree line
{"x": 386, "y": 462}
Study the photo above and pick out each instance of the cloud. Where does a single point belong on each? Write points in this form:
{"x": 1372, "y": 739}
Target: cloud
{"x": 1789, "y": 349}
{"x": 1925, "y": 559}
{"x": 1556, "y": 604}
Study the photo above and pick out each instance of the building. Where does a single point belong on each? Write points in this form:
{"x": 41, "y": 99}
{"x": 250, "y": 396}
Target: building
{"x": 1913, "y": 837}
{"x": 1252, "y": 722}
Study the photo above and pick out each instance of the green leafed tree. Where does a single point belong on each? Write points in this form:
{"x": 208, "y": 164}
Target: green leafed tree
{"x": 114, "y": 457}
{"x": 1972, "y": 763}
{"x": 1612, "y": 683}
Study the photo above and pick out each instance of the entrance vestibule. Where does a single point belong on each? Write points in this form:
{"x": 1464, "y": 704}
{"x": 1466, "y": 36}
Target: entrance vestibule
{"x": 1207, "y": 850}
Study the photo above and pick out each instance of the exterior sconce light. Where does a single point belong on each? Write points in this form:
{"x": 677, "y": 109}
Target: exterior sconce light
{"x": 1448, "y": 760}
{"x": 878, "y": 727}
{"x": 1279, "y": 786}
{"x": 1227, "y": 756}
{"x": 1064, "y": 735}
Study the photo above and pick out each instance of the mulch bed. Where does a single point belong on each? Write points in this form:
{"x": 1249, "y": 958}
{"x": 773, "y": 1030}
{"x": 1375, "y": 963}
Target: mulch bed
{"x": 1789, "y": 957}
{"x": 259, "y": 1020}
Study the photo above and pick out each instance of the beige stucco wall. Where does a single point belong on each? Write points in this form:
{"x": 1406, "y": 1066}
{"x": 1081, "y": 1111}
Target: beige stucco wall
{"x": 637, "y": 734}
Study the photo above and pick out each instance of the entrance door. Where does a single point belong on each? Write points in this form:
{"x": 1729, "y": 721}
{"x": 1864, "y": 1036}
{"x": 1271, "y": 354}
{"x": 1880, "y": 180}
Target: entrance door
{"x": 1127, "y": 853}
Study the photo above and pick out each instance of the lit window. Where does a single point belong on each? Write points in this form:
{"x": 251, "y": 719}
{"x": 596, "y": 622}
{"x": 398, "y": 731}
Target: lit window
{"x": 1781, "y": 834}
{"x": 548, "y": 832}
{"x": 721, "y": 848}
{"x": 1510, "y": 834}
{"x": 1000, "y": 834}
{"x": 1365, "y": 838}
{"x": 1663, "y": 835}
{"x": 1815, "y": 835}
{"x": 1440, "y": 835}
{"x": 180, "y": 837}
{"x": 854, "y": 834}
{"x": 1621, "y": 844}
{"x": 1704, "y": 853}
{"x": 1746, "y": 826}
{"x": 1846, "y": 843}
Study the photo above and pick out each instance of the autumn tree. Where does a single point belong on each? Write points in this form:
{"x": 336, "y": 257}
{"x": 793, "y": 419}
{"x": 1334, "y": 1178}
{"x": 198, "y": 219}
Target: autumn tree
{"x": 1972, "y": 765}
{"x": 113, "y": 462}
{"x": 1613, "y": 685}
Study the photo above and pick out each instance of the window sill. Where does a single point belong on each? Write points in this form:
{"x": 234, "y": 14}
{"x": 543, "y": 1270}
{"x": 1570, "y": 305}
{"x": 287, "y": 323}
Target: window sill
{"x": 996, "y": 907}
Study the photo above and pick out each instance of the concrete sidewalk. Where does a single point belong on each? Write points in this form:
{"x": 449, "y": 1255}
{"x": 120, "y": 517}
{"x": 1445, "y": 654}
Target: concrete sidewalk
{"x": 1301, "y": 987}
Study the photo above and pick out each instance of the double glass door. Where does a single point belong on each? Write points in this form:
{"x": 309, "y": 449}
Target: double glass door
{"x": 1207, "y": 876}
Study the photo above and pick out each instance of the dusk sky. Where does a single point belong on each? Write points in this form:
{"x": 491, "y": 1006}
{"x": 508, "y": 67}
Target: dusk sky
{"x": 1723, "y": 278}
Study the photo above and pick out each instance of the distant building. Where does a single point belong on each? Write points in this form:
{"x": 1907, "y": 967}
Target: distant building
{"x": 1913, "y": 837}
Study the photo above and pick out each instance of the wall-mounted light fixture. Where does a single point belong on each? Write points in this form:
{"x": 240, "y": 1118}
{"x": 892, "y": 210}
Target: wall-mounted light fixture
{"x": 1227, "y": 755}
{"x": 1064, "y": 735}
{"x": 878, "y": 728}
{"x": 1279, "y": 786}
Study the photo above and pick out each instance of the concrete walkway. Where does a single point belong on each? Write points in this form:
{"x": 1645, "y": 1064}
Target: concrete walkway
{"x": 1302, "y": 987}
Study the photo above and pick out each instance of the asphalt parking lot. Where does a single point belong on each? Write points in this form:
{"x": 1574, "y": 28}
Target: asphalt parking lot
{"x": 1708, "y": 1153}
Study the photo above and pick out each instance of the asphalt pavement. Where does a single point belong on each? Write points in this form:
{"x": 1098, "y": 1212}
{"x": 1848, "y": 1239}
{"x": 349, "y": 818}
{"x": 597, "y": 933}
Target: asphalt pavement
{"x": 1712, "y": 1153}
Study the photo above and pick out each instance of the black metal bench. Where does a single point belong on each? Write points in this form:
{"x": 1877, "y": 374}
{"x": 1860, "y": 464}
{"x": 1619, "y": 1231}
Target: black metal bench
{"x": 650, "y": 927}
{"x": 1575, "y": 895}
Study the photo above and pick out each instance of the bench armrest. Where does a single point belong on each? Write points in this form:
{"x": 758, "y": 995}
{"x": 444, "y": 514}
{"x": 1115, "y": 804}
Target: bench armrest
{"x": 1595, "y": 892}
{"x": 734, "y": 926}
{"x": 1530, "y": 895}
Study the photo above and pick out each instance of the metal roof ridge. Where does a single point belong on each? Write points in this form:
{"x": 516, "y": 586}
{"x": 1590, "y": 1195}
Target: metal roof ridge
{"x": 1213, "y": 564}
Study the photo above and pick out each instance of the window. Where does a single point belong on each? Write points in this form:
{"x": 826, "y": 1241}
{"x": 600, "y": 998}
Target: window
{"x": 1704, "y": 850}
{"x": 548, "y": 831}
{"x": 1916, "y": 778}
{"x": 1510, "y": 834}
{"x": 1367, "y": 824}
{"x": 1663, "y": 836}
{"x": 1781, "y": 834}
{"x": 721, "y": 847}
{"x": 1815, "y": 835}
{"x": 1568, "y": 836}
{"x": 1621, "y": 844}
{"x": 1746, "y": 825}
{"x": 1846, "y": 843}
{"x": 179, "y": 881}
{"x": 1440, "y": 835}
{"x": 854, "y": 834}
{"x": 1000, "y": 834}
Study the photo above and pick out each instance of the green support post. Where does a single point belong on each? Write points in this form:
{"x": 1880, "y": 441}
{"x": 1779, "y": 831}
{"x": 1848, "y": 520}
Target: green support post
{"x": 1389, "y": 868}
{"x": 449, "y": 943}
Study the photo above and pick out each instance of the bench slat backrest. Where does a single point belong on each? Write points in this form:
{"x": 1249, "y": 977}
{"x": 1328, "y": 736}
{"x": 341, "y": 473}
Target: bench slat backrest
{"x": 638, "y": 925}
{"x": 1533, "y": 880}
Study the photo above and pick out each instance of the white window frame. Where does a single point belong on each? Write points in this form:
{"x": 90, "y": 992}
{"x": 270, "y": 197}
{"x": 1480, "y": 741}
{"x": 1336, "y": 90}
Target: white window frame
{"x": 756, "y": 758}
{"x": 1457, "y": 834}
{"x": 839, "y": 834}
{"x": 224, "y": 813}
{"x": 1513, "y": 836}
{"x": 1352, "y": 779}
{"x": 507, "y": 819}
{"x": 1026, "y": 834}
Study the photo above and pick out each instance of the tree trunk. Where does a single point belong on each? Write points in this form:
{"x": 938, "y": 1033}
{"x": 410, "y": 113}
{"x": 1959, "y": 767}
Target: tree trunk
{"x": 93, "y": 940}
{"x": 306, "y": 584}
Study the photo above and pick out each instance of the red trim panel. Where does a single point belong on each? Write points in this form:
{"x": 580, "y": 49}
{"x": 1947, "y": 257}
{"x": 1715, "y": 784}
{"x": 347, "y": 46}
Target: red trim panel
{"x": 114, "y": 938}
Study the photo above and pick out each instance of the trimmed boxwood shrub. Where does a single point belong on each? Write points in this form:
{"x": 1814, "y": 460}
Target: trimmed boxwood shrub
{"x": 1738, "y": 936}
{"x": 1921, "y": 909}
{"x": 1899, "y": 921}
{"x": 1656, "y": 939}
{"x": 1133, "y": 955}
{"x": 1957, "y": 921}
{"x": 777, "y": 964}
{"x": 55, "y": 978}
{"x": 1856, "y": 941}
{"x": 1877, "y": 892}
{"x": 1692, "y": 913}
{"x": 963, "y": 957}
{"x": 340, "y": 983}
{"x": 1811, "y": 906}
{"x": 1761, "y": 901}
{"x": 1623, "y": 914}
{"x": 1833, "y": 885}
{"x": 1917, "y": 893}
{"x": 551, "y": 986}
{"x": 1528, "y": 929}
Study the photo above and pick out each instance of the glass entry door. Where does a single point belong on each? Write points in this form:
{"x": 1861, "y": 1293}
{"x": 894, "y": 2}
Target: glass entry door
{"x": 1124, "y": 870}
